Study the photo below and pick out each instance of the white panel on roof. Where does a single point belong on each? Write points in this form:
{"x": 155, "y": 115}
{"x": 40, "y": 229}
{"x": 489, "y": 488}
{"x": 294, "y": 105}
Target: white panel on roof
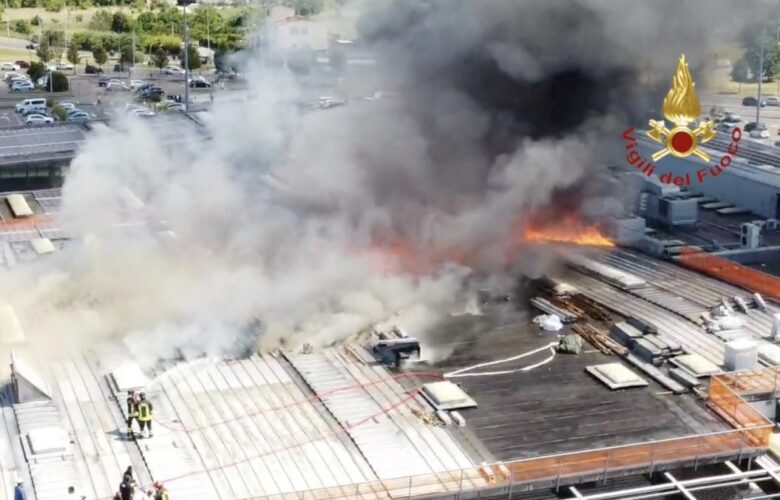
{"x": 10, "y": 328}
{"x": 696, "y": 365}
{"x": 769, "y": 354}
{"x": 129, "y": 376}
{"x": 616, "y": 376}
{"x": 48, "y": 440}
{"x": 447, "y": 396}
{"x": 42, "y": 245}
{"x": 19, "y": 205}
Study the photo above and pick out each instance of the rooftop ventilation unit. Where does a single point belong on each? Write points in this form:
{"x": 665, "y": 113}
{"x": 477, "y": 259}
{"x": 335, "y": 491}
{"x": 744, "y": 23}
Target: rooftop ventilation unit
{"x": 750, "y": 235}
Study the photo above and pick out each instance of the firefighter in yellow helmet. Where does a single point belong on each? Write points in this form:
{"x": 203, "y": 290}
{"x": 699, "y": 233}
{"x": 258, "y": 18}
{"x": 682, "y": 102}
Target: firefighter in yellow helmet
{"x": 145, "y": 415}
{"x": 132, "y": 411}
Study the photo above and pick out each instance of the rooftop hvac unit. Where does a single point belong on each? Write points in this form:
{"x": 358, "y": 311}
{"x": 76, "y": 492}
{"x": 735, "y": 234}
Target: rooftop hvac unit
{"x": 741, "y": 354}
{"x": 771, "y": 224}
{"x": 750, "y": 235}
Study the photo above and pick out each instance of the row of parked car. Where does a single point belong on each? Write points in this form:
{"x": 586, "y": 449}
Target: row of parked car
{"x": 18, "y": 82}
{"x": 36, "y": 112}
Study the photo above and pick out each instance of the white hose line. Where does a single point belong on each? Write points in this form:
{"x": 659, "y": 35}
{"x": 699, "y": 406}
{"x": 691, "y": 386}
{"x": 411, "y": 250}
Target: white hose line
{"x": 461, "y": 372}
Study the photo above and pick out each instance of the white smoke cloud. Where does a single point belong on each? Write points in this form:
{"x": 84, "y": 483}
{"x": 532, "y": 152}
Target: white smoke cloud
{"x": 277, "y": 217}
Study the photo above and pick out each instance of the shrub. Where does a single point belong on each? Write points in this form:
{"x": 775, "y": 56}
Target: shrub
{"x": 59, "y": 82}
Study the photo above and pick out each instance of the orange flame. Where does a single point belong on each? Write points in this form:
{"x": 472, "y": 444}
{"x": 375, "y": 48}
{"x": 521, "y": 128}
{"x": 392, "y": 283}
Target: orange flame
{"x": 569, "y": 229}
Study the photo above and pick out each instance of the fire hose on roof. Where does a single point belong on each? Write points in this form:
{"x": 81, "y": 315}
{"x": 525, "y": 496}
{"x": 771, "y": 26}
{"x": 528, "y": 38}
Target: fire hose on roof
{"x": 462, "y": 372}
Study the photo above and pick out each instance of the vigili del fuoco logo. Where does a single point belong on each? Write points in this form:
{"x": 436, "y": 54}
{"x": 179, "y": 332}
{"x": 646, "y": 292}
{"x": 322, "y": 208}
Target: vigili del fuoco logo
{"x": 681, "y": 107}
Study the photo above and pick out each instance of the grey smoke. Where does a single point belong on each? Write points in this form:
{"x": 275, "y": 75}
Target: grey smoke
{"x": 284, "y": 217}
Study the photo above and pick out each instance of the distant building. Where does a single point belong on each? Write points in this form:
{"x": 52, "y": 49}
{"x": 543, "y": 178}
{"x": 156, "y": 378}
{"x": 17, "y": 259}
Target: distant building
{"x": 279, "y": 13}
{"x": 298, "y": 33}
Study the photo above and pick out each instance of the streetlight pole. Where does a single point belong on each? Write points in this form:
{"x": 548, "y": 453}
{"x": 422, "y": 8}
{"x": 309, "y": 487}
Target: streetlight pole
{"x": 184, "y": 4}
{"x": 760, "y": 75}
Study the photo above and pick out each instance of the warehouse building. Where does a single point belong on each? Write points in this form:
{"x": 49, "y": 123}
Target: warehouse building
{"x": 752, "y": 181}
{"x": 37, "y": 157}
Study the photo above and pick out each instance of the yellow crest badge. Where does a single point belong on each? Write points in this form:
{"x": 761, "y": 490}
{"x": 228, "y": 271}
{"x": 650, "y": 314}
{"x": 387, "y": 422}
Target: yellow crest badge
{"x": 681, "y": 107}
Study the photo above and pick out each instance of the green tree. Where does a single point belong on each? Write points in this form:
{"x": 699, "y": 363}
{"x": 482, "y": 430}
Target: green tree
{"x": 59, "y": 82}
{"x": 21, "y": 26}
{"x": 56, "y": 54}
{"x": 60, "y": 112}
{"x": 126, "y": 55}
{"x": 771, "y": 62}
{"x": 193, "y": 58}
{"x": 740, "y": 73}
{"x": 120, "y": 23}
{"x": 43, "y": 52}
{"x": 99, "y": 55}
{"x": 36, "y": 70}
{"x": 101, "y": 21}
{"x": 73, "y": 54}
{"x": 160, "y": 59}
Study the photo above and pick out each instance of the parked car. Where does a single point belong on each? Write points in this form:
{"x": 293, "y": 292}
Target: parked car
{"x": 67, "y": 106}
{"x": 51, "y": 67}
{"x": 330, "y": 102}
{"x": 17, "y": 79}
{"x": 92, "y": 70}
{"x": 114, "y": 86}
{"x": 752, "y": 101}
{"x": 78, "y": 117}
{"x": 141, "y": 111}
{"x": 174, "y": 106}
{"x": 65, "y": 67}
{"x": 199, "y": 84}
{"x": 13, "y": 74}
{"x": 757, "y": 130}
{"x": 773, "y": 100}
{"x": 121, "y": 68}
{"x": 144, "y": 86}
{"x": 36, "y": 109}
{"x": 103, "y": 81}
{"x": 723, "y": 127}
{"x": 33, "y": 102}
{"x": 173, "y": 70}
{"x": 151, "y": 93}
{"x": 136, "y": 84}
{"x": 22, "y": 86}
{"x": 9, "y": 66}
{"x": 38, "y": 119}
{"x": 23, "y": 64}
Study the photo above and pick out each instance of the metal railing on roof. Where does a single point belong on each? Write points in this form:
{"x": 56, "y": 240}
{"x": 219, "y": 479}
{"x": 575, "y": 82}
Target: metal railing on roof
{"x": 750, "y": 436}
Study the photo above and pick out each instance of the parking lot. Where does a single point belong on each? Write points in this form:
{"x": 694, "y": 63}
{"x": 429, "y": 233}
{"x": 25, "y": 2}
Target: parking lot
{"x": 87, "y": 95}
{"x": 769, "y": 115}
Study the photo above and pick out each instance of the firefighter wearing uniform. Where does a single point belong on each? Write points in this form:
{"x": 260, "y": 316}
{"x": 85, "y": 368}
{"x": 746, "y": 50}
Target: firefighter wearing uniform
{"x": 145, "y": 414}
{"x": 132, "y": 411}
{"x": 160, "y": 492}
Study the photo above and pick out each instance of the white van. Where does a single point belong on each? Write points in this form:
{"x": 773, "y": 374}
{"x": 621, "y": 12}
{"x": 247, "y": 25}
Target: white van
{"x": 38, "y": 103}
